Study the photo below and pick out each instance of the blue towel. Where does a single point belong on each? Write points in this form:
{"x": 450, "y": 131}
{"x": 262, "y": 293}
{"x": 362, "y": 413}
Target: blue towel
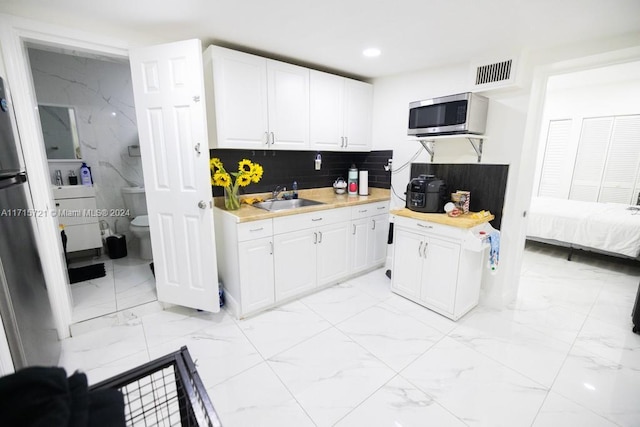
{"x": 494, "y": 251}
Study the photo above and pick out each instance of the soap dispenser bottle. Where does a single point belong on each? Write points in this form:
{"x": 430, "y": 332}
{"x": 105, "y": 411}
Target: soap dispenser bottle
{"x": 85, "y": 175}
{"x": 352, "y": 181}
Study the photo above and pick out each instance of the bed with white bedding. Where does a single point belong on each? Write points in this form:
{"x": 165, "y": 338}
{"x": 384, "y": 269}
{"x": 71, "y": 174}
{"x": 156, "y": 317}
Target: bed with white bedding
{"x": 610, "y": 228}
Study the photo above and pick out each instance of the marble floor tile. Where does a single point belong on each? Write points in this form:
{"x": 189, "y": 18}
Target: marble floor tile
{"x": 329, "y": 375}
{"x": 424, "y": 315}
{"x": 617, "y": 344}
{"x": 93, "y": 298}
{"x": 531, "y": 353}
{"x": 474, "y": 387}
{"x": 282, "y": 327}
{"x": 374, "y": 283}
{"x": 615, "y": 302}
{"x": 399, "y": 403}
{"x": 560, "y": 411}
{"x": 392, "y": 336}
{"x": 339, "y": 302}
{"x": 219, "y": 352}
{"x": 100, "y": 347}
{"x": 117, "y": 367}
{"x": 552, "y": 320}
{"x": 134, "y": 285}
{"x": 256, "y": 397}
{"x": 608, "y": 388}
{"x": 168, "y": 325}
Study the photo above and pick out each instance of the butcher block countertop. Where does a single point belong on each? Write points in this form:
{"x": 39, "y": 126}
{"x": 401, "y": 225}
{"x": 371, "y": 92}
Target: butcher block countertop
{"x": 462, "y": 221}
{"x": 325, "y": 195}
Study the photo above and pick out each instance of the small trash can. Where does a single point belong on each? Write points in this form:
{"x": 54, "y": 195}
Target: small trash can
{"x": 117, "y": 246}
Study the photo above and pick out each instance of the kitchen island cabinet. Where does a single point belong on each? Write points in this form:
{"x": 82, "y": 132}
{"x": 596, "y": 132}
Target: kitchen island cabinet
{"x": 438, "y": 266}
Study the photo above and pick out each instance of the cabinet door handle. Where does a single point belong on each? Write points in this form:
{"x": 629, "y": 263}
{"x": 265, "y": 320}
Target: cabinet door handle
{"x": 316, "y": 219}
{"x": 346, "y": 141}
{"x": 320, "y": 239}
{"x": 382, "y": 207}
{"x": 354, "y": 230}
{"x": 271, "y": 246}
{"x": 273, "y": 138}
{"x": 266, "y": 137}
{"x": 315, "y": 238}
{"x": 341, "y": 141}
{"x": 424, "y": 251}
{"x": 420, "y": 249}
{"x": 374, "y": 224}
{"x": 363, "y": 211}
{"x": 197, "y": 148}
{"x": 425, "y": 226}
{"x": 256, "y": 229}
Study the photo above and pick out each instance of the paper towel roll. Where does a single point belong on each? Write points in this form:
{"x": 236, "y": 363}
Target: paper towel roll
{"x": 363, "y": 184}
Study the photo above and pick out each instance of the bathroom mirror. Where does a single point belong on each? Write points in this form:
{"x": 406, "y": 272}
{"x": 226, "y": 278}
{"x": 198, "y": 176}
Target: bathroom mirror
{"x": 60, "y": 132}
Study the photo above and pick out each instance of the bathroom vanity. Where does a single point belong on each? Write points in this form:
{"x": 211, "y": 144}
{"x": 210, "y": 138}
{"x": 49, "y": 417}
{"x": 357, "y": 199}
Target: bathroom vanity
{"x": 75, "y": 207}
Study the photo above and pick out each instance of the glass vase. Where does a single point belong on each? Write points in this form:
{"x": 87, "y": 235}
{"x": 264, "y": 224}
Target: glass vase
{"x": 231, "y": 198}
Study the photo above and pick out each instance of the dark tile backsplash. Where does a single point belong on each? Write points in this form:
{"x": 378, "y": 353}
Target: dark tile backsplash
{"x": 283, "y": 167}
{"x": 487, "y": 183}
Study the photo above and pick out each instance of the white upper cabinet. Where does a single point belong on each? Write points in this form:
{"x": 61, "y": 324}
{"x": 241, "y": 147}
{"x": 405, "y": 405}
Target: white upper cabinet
{"x": 254, "y": 102}
{"x": 341, "y": 111}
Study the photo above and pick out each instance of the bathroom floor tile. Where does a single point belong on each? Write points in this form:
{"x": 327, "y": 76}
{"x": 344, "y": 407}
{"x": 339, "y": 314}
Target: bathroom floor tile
{"x": 560, "y": 411}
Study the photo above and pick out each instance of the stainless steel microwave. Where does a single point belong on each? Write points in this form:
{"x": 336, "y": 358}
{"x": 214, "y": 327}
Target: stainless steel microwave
{"x": 447, "y": 115}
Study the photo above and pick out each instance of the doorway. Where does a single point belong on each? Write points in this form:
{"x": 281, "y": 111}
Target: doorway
{"x": 96, "y": 92}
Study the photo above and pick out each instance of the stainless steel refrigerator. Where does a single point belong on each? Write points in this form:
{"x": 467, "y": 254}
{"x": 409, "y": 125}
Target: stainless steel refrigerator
{"x": 24, "y": 302}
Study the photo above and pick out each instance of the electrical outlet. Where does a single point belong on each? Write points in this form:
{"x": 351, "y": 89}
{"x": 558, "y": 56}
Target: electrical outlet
{"x": 387, "y": 167}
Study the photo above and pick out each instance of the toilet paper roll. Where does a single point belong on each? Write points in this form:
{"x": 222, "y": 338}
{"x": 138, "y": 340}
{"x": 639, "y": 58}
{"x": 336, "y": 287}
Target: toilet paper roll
{"x": 363, "y": 184}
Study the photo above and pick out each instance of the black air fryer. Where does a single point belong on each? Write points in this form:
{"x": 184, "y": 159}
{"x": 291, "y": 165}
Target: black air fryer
{"x": 426, "y": 193}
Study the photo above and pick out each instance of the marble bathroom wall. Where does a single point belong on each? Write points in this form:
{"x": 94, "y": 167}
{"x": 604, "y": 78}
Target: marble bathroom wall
{"x": 101, "y": 93}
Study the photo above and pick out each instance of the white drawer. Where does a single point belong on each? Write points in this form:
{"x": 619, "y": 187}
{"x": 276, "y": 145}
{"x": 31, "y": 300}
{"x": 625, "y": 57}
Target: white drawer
{"x": 286, "y": 224}
{"x": 431, "y": 228}
{"x": 255, "y": 229}
{"x": 370, "y": 209}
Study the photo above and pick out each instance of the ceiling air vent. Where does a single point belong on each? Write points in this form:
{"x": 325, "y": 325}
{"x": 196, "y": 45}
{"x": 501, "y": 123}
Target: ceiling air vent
{"x": 494, "y": 75}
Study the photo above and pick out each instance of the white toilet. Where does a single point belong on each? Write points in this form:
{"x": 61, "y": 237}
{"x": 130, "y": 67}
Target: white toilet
{"x": 135, "y": 201}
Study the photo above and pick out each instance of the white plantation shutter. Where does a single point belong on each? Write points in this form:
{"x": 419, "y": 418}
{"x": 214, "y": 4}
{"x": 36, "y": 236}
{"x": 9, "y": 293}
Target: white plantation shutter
{"x": 591, "y": 158}
{"x": 554, "y": 163}
{"x": 620, "y": 174}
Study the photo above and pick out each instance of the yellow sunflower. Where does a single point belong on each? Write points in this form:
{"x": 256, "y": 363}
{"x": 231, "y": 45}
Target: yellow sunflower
{"x": 221, "y": 179}
{"x": 243, "y": 179}
{"x": 244, "y": 166}
{"x": 256, "y": 172}
{"x": 215, "y": 163}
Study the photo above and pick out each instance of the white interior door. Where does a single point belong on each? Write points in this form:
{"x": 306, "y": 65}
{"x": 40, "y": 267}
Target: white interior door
{"x": 168, "y": 90}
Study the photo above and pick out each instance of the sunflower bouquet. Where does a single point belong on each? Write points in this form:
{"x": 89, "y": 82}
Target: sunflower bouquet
{"x": 247, "y": 173}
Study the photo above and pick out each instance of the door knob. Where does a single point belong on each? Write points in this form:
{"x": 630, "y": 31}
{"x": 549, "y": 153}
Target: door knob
{"x": 202, "y": 204}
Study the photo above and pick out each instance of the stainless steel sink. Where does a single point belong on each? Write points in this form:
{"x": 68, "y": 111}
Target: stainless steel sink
{"x": 281, "y": 205}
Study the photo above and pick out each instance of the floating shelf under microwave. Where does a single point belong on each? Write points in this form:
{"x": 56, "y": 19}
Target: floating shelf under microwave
{"x": 475, "y": 140}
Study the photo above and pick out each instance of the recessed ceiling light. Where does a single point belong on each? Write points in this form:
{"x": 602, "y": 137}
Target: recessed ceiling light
{"x": 371, "y": 52}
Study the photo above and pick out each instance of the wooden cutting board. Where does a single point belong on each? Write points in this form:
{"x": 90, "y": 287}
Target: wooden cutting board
{"x": 462, "y": 221}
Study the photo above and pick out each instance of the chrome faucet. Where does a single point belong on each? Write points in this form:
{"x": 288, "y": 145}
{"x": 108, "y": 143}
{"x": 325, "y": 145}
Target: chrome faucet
{"x": 276, "y": 192}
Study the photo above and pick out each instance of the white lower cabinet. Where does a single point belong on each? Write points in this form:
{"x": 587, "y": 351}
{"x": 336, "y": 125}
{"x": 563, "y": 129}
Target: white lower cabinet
{"x": 266, "y": 262}
{"x": 295, "y": 263}
{"x": 256, "y": 273}
{"x": 437, "y": 266}
{"x": 369, "y": 232}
